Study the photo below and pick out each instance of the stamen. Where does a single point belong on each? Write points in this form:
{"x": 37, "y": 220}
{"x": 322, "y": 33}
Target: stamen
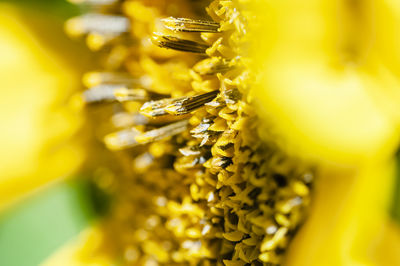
{"x": 155, "y": 108}
{"x": 100, "y": 23}
{"x": 96, "y": 41}
{"x": 100, "y": 93}
{"x": 178, "y": 44}
{"x": 122, "y": 139}
{"x": 95, "y": 78}
{"x": 211, "y": 66}
{"x": 126, "y": 119}
{"x": 178, "y": 106}
{"x": 125, "y": 94}
{"x": 188, "y": 104}
{"x": 190, "y": 25}
{"x": 114, "y": 92}
{"x": 163, "y": 132}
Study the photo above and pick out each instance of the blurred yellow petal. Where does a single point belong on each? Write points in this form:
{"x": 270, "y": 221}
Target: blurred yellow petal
{"x": 81, "y": 251}
{"x": 35, "y": 122}
{"x": 329, "y": 88}
{"x": 348, "y": 220}
{"x": 325, "y": 106}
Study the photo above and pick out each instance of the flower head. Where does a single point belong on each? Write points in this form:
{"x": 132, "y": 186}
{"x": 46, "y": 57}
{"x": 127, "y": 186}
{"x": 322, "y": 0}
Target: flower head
{"x": 223, "y": 125}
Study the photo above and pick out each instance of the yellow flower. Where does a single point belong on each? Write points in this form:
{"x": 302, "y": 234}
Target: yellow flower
{"x": 204, "y": 180}
{"x": 35, "y": 83}
{"x": 329, "y": 83}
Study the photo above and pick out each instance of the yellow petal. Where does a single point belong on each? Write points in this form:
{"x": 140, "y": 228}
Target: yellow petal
{"x": 325, "y": 106}
{"x": 33, "y": 83}
{"x": 80, "y": 251}
{"x": 329, "y": 87}
{"x": 349, "y": 219}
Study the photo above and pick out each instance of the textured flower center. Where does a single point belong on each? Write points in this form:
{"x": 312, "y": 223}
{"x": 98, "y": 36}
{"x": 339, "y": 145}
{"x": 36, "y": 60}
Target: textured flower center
{"x": 192, "y": 182}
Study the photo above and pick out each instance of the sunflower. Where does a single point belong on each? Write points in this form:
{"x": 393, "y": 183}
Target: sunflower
{"x": 241, "y": 132}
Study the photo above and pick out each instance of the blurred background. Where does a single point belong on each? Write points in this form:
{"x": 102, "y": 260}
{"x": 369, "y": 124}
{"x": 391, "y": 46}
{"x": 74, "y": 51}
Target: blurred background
{"x": 43, "y": 202}
{"x": 40, "y": 69}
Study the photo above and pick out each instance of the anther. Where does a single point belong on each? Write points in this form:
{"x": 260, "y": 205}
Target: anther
{"x": 188, "y": 104}
{"x": 190, "y": 25}
{"x": 126, "y": 119}
{"x": 95, "y": 78}
{"x": 122, "y": 139}
{"x": 179, "y": 106}
{"x": 163, "y": 132}
{"x": 155, "y": 108}
{"x": 211, "y": 66}
{"x": 113, "y": 92}
{"x": 125, "y": 94}
{"x": 100, "y": 93}
{"x": 171, "y": 42}
{"x": 100, "y": 23}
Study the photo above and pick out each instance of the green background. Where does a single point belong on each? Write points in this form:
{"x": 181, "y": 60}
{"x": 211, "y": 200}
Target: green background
{"x": 31, "y": 231}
